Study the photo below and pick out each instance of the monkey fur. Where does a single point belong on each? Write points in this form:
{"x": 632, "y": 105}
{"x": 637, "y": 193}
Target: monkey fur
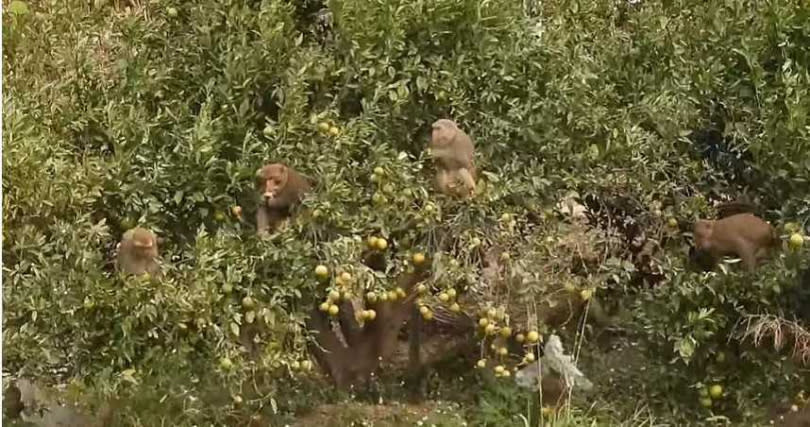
{"x": 138, "y": 252}
{"x": 743, "y": 235}
{"x": 279, "y": 188}
{"x": 453, "y": 152}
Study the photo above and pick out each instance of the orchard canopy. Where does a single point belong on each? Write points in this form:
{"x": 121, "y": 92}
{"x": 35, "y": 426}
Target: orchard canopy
{"x": 603, "y": 130}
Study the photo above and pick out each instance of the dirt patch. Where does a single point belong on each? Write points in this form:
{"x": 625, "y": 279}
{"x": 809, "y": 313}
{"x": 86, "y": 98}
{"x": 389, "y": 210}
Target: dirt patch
{"x": 388, "y": 415}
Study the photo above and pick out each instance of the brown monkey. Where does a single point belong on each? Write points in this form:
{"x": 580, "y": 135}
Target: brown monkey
{"x": 453, "y": 152}
{"x": 138, "y": 252}
{"x": 743, "y": 235}
{"x": 279, "y": 189}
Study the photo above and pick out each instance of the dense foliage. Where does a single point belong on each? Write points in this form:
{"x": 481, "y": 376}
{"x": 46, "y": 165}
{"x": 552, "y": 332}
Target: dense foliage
{"x": 158, "y": 114}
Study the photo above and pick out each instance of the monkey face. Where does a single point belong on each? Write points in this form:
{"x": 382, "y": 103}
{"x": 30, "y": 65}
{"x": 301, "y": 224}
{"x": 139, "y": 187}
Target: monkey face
{"x": 145, "y": 243}
{"x": 271, "y": 180}
{"x": 702, "y": 232}
{"x": 442, "y": 133}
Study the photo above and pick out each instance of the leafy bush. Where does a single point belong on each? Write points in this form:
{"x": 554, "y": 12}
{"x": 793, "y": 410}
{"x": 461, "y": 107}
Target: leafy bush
{"x": 159, "y": 113}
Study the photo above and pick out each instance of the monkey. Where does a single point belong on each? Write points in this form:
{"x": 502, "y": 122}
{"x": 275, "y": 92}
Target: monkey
{"x": 138, "y": 252}
{"x": 279, "y": 189}
{"x": 12, "y": 402}
{"x": 744, "y": 235}
{"x": 453, "y": 152}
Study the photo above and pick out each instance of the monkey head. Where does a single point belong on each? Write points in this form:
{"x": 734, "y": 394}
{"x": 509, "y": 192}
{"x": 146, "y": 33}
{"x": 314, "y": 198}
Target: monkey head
{"x": 271, "y": 180}
{"x": 443, "y": 132}
{"x": 144, "y": 242}
{"x": 702, "y": 232}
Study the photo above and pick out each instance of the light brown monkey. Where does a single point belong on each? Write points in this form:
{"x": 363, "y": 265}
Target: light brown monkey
{"x": 743, "y": 235}
{"x": 279, "y": 189}
{"x": 453, "y": 152}
{"x": 138, "y": 252}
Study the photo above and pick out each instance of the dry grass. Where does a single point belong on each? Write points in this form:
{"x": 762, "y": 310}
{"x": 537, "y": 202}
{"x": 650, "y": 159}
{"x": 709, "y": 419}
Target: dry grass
{"x": 759, "y": 328}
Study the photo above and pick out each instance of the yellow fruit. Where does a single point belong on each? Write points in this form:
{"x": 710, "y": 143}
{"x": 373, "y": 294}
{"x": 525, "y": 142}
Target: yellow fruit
{"x": 506, "y": 331}
{"x": 500, "y": 369}
{"x": 570, "y": 287}
{"x": 505, "y": 256}
{"x": 443, "y": 297}
{"x": 716, "y": 391}
{"x": 421, "y": 288}
{"x": 323, "y": 127}
{"x": 334, "y": 295}
{"x": 476, "y": 241}
{"x": 491, "y": 313}
{"x": 489, "y": 329}
{"x": 506, "y": 217}
{"x": 506, "y": 373}
{"x": 225, "y": 363}
{"x": 520, "y": 337}
{"x": 248, "y": 302}
{"x": 295, "y": 365}
{"x": 321, "y": 271}
{"x": 324, "y": 306}
{"x": 333, "y": 310}
{"x": 371, "y": 314}
{"x": 372, "y": 242}
{"x": 382, "y": 244}
{"x": 530, "y": 357}
{"x": 451, "y": 293}
{"x": 533, "y": 336}
{"x": 219, "y": 216}
{"x": 227, "y": 288}
{"x": 306, "y": 365}
{"x": 503, "y": 351}
{"x": 171, "y": 11}
{"x": 127, "y": 223}
{"x": 585, "y": 294}
{"x": 346, "y": 277}
{"x": 236, "y": 211}
{"x": 482, "y": 363}
{"x": 672, "y": 223}
{"x": 371, "y": 297}
{"x": 334, "y": 131}
{"x": 706, "y": 402}
{"x": 384, "y": 296}
{"x": 418, "y": 258}
{"x": 796, "y": 240}
{"x": 400, "y": 292}
{"x": 483, "y": 322}
{"x": 379, "y": 199}
{"x": 455, "y": 308}
{"x": 428, "y": 315}
{"x": 392, "y": 295}
{"x": 424, "y": 309}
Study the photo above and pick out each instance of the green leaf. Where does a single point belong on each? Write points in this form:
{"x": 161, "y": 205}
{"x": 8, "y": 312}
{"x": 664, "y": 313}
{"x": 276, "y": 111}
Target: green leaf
{"x": 18, "y": 7}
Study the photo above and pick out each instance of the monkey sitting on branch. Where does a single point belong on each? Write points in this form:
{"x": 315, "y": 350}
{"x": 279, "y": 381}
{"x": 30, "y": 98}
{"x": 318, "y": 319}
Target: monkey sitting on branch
{"x": 744, "y": 235}
{"x": 137, "y": 253}
{"x": 279, "y": 189}
{"x": 453, "y": 152}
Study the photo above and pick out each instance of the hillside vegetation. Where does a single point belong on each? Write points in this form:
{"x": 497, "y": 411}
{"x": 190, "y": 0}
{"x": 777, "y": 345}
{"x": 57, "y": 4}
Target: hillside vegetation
{"x": 157, "y": 113}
